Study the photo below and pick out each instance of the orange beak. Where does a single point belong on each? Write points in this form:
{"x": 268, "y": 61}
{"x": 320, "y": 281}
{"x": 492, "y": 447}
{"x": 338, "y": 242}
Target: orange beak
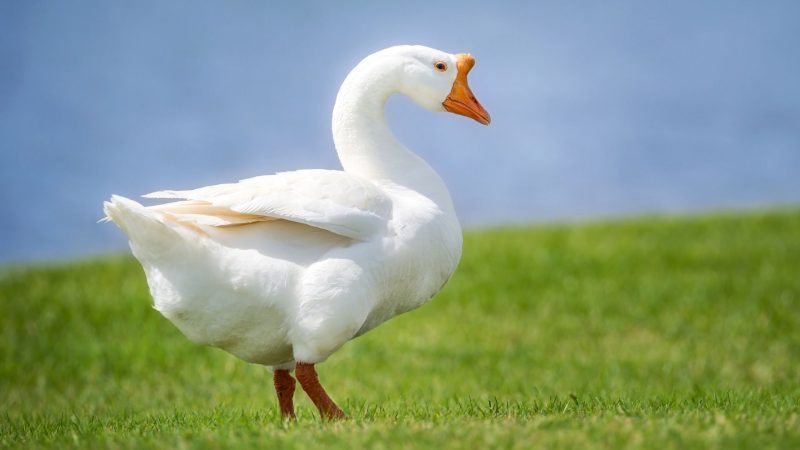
{"x": 461, "y": 100}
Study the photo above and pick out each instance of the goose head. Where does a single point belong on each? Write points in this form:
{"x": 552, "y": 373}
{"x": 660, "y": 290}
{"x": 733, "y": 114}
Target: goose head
{"x": 433, "y": 79}
{"x": 437, "y": 81}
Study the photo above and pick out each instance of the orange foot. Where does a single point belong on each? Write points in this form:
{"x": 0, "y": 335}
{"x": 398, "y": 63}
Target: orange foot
{"x": 307, "y": 376}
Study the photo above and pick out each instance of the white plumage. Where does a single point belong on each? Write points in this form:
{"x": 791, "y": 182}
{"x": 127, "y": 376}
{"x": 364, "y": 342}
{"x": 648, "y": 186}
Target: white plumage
{"x": 333, "y": 200}
{"x": 286, "y": 268}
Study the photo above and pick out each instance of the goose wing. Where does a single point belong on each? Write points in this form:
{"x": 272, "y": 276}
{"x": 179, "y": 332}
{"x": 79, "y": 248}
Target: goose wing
{"x": 332, "y": 200}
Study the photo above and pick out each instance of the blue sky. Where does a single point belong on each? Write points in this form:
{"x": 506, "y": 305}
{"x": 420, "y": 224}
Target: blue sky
{"x": 599, "y": 108}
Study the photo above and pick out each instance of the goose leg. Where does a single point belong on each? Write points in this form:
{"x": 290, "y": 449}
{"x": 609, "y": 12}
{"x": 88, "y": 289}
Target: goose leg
{"x": 284, "y": 387}
{"x": 307, "y": 376}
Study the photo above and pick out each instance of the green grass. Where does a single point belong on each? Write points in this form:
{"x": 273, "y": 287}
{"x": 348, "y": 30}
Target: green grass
{"x": 648, "y": 333}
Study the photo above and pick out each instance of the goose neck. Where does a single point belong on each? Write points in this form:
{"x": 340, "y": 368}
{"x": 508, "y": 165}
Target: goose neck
{"x": 365, "y": 144}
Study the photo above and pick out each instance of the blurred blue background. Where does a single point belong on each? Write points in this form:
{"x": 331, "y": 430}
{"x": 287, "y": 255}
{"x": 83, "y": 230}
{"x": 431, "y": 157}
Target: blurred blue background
{"x": 599, "y": 109}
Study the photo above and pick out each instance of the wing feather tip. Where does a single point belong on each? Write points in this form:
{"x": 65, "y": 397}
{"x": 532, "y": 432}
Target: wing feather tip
{"x": 162, "y": 194}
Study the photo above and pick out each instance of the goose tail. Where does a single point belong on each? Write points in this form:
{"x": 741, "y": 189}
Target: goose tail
{"x": 151, "y": 233}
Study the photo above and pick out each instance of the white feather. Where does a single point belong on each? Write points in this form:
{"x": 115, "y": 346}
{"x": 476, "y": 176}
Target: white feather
{"x": 332, "y": 200}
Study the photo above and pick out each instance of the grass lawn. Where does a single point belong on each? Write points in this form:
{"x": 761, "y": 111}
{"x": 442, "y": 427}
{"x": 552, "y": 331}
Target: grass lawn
{"x": 646, "y": 333}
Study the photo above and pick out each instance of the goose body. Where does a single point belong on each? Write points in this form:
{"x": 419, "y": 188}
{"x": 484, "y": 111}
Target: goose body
{"x": 282, "y": 270}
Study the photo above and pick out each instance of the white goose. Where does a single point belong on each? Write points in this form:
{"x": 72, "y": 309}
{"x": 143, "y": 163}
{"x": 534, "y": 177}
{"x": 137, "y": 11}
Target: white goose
{"x": 282, "y": 270}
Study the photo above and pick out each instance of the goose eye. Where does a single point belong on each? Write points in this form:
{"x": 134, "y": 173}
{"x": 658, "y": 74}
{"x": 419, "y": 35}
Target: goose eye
{"x": 441, "y": 66}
